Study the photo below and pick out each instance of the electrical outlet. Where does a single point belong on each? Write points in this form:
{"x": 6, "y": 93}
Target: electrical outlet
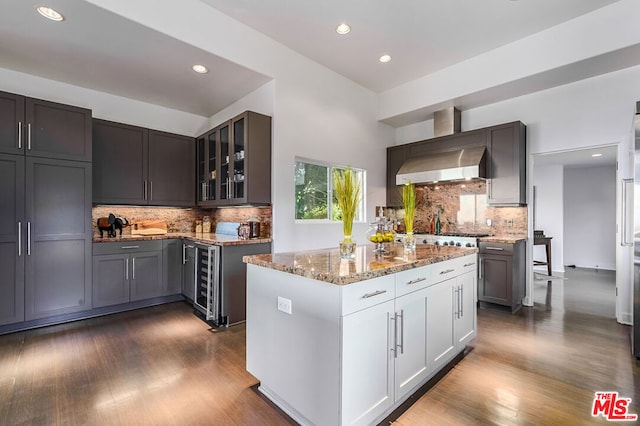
{"x": 488, "y": 222}
{"x": 284, "y": 305}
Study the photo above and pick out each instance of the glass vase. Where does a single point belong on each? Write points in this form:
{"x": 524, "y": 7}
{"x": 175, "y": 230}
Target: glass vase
{"x": 347, "y": 248}
{"x": 409, "y": 241}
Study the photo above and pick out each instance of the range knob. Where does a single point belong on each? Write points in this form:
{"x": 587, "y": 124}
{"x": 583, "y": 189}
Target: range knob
{"x": 437, "y": 243}
{"x": 458, "y": 245}
{"x": 424, "y": 241}
{"x": 445, "y": 243}
{"x": 468, "y": 245}
{"x": 451, "y": 243}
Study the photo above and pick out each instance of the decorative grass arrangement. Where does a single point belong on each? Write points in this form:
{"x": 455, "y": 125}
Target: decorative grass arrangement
{"x": 409, "y": 203}
{"x": 347, "y": 192}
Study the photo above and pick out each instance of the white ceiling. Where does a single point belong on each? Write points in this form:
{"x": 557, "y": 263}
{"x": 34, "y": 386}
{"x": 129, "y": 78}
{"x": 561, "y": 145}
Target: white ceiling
{"x": 579, "y": 158}
{"x": 422, "y": 36}
{"x": 99, "y": 50}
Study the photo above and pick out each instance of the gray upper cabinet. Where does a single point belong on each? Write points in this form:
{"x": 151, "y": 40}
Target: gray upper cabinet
{"x": 234, "y": 162}
{"x": 119, "y": 163}
{"x": 138, "y": 166}
{"x": 507, "y": 170}
{"x": 46, "y": 129}
{"x": 171, "y": 169}
{"x": 395, "y": 157}
{"x": 58, "y": 237}
{"x": 12, "y": 247}
{"x": 11, "y": 123}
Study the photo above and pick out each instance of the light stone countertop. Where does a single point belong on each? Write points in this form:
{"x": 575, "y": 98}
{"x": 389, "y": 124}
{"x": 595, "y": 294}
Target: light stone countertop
{"x": 212, "y": 238}
{"x": 326, "y": 265}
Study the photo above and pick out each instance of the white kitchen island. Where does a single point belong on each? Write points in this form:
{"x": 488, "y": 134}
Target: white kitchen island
{"x": 338, "y": 342}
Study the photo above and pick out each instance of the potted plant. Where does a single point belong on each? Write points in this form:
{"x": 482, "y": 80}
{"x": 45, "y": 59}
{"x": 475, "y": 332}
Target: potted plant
{"x": 347, "y": 193}
{"x": 409, "y": 204}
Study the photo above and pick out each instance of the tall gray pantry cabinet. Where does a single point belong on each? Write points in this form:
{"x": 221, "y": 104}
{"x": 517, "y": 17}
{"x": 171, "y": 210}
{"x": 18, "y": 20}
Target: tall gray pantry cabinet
{"x": 45, "y": 214}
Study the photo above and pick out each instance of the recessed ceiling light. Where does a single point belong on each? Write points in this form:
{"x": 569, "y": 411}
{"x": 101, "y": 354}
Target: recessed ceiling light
{"x": 596, "y": 155}
{"x": 49, "y": 13}
{"x": 384, "y": 58}
{"x": 200, "y": 69}
{"x": 343, "y": 29}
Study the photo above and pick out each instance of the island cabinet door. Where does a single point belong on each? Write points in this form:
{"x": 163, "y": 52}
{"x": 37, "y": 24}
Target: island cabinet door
{"x": 411, "y": 359}
{"x": 465, "y": 308}
{"x": 440, "y": 334}
{"x": 367, "y": 364}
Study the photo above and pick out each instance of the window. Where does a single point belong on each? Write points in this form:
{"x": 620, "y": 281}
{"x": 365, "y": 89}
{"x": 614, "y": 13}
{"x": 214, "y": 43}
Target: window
{"x": 314, "y": 192}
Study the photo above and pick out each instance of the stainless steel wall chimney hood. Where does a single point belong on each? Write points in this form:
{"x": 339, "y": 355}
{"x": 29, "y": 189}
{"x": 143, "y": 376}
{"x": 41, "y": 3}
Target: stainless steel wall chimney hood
{"x": 467, "y": 163}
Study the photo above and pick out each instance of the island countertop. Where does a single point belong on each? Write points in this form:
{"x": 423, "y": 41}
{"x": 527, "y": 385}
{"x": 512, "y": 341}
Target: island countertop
{"x": 326, "y": 265}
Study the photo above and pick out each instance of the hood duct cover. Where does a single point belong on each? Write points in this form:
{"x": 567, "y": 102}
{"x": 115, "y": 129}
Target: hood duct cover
{"x": 467, "y": 163}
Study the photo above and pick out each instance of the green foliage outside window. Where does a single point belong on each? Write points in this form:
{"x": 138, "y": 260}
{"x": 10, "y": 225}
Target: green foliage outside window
{"x": 314, "y": 189}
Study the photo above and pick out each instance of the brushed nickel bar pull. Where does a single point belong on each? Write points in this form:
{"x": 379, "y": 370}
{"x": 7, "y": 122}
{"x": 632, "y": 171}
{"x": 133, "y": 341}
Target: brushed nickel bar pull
{"x": 29, "y": 136}
{"x": 133, "y": 268}
{"x": 495, "y": 248}
{"x": 28, "y": 238}
{"x": 461, "y": 301}
{"x": 447, "y": 271}
{"x": 19, "y": 238}
{"x": 456, "y": 313}
{"x": 466, "y": 265}
{"x": 126, "y": 270}
{"x": 417, "y": 280}
{"x": 395, "y": 335}
{"x": 375, "y": 293}
{"x": 19, "y": 134}
{"x": 150, "y": 190}
{"x": 144, "y": 190}
{"x": 130, "y": 247}
{"x": 184, "y": 254}
{"x": 401, "y": 315}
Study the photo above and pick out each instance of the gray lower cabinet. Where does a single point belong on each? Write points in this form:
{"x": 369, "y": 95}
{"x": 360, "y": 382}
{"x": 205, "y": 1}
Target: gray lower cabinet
{"x": 127, "y": 272}
{"x": 12, "y": 253}
{"x": 188, "y": 269}
{"x": 172, "y": 263}
{"x": 501, "y": 282}
{"x": 57, "y": 237}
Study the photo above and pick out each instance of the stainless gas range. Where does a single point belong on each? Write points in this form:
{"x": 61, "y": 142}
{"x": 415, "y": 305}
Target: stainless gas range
{"x": 450, "y": 239}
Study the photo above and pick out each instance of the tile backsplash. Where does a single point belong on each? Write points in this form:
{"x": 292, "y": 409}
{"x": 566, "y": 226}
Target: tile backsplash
{"x": 183, "y": 219}
{"x": 463, "y": 208}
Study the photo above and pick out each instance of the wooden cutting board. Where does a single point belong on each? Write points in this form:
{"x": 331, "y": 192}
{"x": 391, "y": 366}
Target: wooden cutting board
{"x": 149, "y": 227}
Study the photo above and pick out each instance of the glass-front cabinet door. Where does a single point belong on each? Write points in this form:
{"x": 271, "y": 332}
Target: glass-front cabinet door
{"x": 207, "y": 164}
{"x": 231, "y": 155}
{"x": 226, "y": 170}
{"x": 239, "y": 140}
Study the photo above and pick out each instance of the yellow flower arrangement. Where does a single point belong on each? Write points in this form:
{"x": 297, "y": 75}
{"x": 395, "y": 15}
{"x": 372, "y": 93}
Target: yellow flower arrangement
{"x": 409, "y": 203}
{"x": 347, "y": 192}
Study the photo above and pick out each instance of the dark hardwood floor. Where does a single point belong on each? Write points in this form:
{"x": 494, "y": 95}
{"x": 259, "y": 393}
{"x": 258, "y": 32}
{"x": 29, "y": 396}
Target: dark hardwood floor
{"x": 163, "y": 366}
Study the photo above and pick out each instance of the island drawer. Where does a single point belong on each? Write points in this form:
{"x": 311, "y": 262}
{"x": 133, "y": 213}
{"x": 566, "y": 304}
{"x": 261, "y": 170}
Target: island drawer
{"x": 413, "y": 279}
{"x": 364, "y": 294}
{"x": 444, "y": 270}
{"x": 467, "y": 263}
{"x": 126, "y": 247}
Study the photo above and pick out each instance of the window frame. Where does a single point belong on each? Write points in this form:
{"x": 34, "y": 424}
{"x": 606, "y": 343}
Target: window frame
{"x": 330, "y": 166}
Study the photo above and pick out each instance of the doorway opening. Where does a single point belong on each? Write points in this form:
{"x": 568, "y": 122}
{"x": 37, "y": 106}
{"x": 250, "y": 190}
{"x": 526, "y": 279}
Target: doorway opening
{"x": 574, "y": 204}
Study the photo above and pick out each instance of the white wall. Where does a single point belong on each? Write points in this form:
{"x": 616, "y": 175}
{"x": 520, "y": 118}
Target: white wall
{"x": 590, "y": 217}
{"x": 549, "y": 214}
